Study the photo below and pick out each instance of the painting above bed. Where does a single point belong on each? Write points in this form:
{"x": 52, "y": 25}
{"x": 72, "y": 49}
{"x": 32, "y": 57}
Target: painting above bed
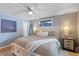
{"x": 8, "y": 26}
{"x": 46, "y": 23}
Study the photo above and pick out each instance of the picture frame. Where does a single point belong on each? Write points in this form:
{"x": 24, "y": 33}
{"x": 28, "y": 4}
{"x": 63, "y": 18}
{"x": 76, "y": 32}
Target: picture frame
{"x": 8, "y": 26}
{"x": 45, "y": 23}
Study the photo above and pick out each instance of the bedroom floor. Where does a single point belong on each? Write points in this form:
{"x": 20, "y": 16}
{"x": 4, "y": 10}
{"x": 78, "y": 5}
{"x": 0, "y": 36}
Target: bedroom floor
{"x": 69, "y": 53}
{"x": 66, "y": 53}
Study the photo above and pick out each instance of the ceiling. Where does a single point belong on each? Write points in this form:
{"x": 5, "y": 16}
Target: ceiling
{"x": 40, "y": 10}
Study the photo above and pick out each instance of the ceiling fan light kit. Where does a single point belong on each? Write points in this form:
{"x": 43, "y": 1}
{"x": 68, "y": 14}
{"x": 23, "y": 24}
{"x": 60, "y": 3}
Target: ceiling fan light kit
{"x": 30, "y": 12}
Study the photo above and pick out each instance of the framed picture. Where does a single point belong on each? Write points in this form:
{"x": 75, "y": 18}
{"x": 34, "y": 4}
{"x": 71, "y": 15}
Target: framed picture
{"x": 46, "y": 23}
{"x": 8, "y": 26}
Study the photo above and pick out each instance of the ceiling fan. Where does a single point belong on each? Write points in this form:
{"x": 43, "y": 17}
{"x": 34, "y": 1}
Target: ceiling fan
{"x": 27, "y": 8}
{"x": 30, "y": 10}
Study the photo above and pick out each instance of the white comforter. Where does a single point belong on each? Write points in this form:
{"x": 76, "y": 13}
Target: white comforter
{"x": 53, "y": 48}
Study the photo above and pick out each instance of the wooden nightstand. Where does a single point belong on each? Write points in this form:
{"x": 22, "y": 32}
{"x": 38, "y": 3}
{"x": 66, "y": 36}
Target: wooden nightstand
{"x": 69, "y": 44}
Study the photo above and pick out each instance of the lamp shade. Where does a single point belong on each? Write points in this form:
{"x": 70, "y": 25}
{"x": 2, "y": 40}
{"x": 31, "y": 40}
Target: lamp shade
{"x": 66, "y": 31}
{"x": 34, "y": 29}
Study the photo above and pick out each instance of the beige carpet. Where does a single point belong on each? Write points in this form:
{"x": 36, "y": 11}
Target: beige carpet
{"x": 69, "y": 53}
{"x": 63, "y": 52}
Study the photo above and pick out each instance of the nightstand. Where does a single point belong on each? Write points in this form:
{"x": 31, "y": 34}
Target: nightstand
{"x": 69, "y": 44}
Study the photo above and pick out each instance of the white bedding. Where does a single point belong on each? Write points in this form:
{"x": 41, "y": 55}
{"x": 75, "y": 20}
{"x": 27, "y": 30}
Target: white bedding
{"x": 48, "y": 49}
{"x": 52, "y": 47}
{"x": 33, "y": 43}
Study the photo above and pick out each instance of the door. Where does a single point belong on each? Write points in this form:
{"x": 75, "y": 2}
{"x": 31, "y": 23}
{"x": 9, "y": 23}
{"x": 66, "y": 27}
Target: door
{"x": 25, "y": 28}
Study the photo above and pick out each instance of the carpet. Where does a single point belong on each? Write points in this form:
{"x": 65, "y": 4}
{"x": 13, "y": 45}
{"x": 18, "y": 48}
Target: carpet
{"x": 69, "y": 53}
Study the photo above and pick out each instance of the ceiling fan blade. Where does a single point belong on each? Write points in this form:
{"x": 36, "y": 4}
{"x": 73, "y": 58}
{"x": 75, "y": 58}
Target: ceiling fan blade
{"x": 23, "y": 8}
{"x": 29, "y": 9}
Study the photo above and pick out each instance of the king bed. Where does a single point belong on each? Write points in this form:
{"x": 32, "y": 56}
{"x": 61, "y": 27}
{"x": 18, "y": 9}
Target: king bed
{"x": 35, "y": 46}
{"x": 41, "y": 47}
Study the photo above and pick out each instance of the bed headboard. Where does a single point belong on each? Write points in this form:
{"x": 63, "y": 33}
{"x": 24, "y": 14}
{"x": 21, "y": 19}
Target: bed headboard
{"x": 47, "y": 34}
{"x": 50, "y": 30}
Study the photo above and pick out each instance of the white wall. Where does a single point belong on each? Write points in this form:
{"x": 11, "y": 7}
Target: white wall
{"x": 5, "y": 38}
{"x": 25, "y": 28}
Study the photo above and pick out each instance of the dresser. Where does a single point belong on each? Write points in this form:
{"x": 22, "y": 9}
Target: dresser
{"x": 69, "y": 44}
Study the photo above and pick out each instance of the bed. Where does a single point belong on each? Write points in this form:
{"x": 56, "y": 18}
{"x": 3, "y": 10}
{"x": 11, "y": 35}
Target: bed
{"x": 40, "y": 46}
{"x": 36, "y": 45}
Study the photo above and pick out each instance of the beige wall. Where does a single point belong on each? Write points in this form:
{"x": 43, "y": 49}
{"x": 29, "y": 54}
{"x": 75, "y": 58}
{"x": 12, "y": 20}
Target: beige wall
{"x": 78, "y": 26}
{"x": 71, "y": 21}
{"x": 59, "y": 22}
{"x": 54, "y": 27}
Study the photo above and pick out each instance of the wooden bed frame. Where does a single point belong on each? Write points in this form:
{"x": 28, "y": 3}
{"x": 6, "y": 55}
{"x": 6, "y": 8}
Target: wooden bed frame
{"x": 13, "y": 49}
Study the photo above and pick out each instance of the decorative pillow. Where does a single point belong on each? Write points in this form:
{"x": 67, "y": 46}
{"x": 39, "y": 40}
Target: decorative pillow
{"x": 51, "y": 33}
{"x": 43, "y": 34}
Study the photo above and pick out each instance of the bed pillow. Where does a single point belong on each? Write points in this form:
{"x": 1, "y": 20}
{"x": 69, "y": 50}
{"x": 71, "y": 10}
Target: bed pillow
{"x": 51, "y": 33}
{"x": 42, "y": 34}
